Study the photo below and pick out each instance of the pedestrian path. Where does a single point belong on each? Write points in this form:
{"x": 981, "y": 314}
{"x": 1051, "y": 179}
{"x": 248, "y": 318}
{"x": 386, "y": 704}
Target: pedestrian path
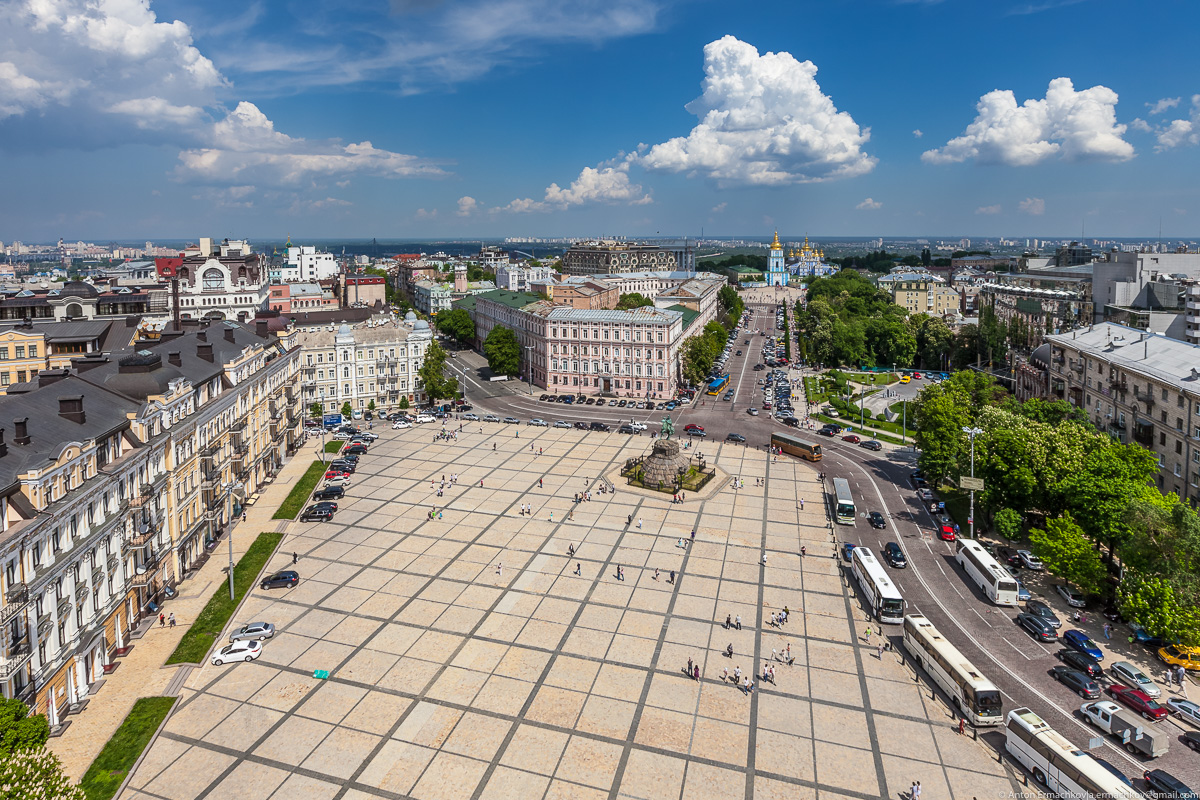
{"x": 142, "y": 673}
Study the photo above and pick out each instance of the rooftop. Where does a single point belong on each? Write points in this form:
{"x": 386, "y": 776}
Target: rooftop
{"x": 1139, "y": 351}
{"x": 508, "y": 298}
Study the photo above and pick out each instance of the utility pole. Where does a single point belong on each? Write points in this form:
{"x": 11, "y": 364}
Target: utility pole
{"x": 971, "y": 434}
{"x": 529, "y": 368}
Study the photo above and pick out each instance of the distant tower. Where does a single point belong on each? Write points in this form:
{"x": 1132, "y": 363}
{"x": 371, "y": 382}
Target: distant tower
{"x": 460, "y": 277}
{"x": 777, "y": 274}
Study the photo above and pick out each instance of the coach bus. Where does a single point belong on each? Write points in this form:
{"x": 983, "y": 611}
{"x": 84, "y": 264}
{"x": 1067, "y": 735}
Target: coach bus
{"x": 843, "y": 510}
{"x": 975, "y": 696}
{"x": 716, "y": 386}
{"x": 1064, "y": 769}
{"x": 982, "y": 569}
{"x": 795, "y": 446}
{"x": 882, "y": 595}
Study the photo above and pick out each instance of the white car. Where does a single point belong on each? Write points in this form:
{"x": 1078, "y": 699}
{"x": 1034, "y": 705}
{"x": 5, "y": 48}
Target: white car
{"x": 401, "y": 423}
{"x": 1134, "y": 678}
{"x": 638, "y": 426}
{"x": 471, "y": 417}
{"x": 752, "y": 411}
{"x": 247, "y": 650}
{"x": 538, "y": 422}
{"x": 1029, "y": 560}
{"x": 357, "y": 414}
{"x": 423, "y": 418}
{"x": 342, "y": 436}
{"x": 1185, "y": 709}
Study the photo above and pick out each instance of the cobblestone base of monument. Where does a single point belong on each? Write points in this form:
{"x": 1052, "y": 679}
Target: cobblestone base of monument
{"x": 719, "y": 479}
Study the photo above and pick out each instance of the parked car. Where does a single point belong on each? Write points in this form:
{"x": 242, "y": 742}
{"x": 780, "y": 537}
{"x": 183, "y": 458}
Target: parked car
{"x": 699, "y": 433}
{"x": 735, "y": 437}
{"x": 876, "y": 520}
{"x": 1191, "y": 739}
{"x": 925, "y": 495}
{"x": 342, "y": 480}
{"x": 894, "y": 555}
{"x": 491, "y": 418}
{"x": 871, "y": 444}
{"x": 316, "y": 514}
{"x": 561, "y": 423}
{"x": 947, "y": 532}
{"x": 537, "y": 422}
{"x": 637, "y": 426}
{"x": 330, "y": 493}
{"x": 1030, "y": 561}
{"x": 1178, "y": 655}
{"x": 1077, "y": 660}
{"x": 1138, "y": 701}
{"x": 287, "y": 577}
{"x": 848, "y": 549}
{"x": 1184, "y": 709}
{"x": 1081, "y": 642}
{"x": 599, "y": 426}
{"x": 326, "y": 504}
{"x": 752, "y": 411}
{"x": 852, "y": 438}
{"x": 401, "y": 424}
{"x": 1040, "y": 609}
{"x": 1134, "y": 678}
{"x": 693, "y": 427}
{"x": 1076, "y": 681}
{"x": 626, "y": 429}
{"x": 1037, "y": 627}
{"x": 356, "y": 450}
{"x": 1073, "y": 596}
{"x": 255, "y": 630}
{"x": 425, "y": 419}
{"x": 471, "y": 417}
{"x": 1162, "y": 781}
{"x": 238, "y": 651}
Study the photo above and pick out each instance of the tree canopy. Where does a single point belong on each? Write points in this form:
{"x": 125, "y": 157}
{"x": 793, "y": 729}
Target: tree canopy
{"x": 700, "y": 352}
{"x": 437, "y": 384}
{"x": 457, "y": 323}
{"x": 503, "y": 352}
{"x": 633, "y": 300}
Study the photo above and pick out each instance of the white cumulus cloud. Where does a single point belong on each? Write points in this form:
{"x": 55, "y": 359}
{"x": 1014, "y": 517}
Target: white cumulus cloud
{"x": 1165, "y": 104}
{"x": 1032, "y": 205}
{"x": 1069, "y": 124}
{"x": 466, "y": 205}
{"x": 1179, "y": 132}
{"x": 988, "y": 210}
{"x": 763, "y": 120}
{"x": 719, "y": 208}
{"x": 869, "y": 205}
{"x": 594, "y": 185}
{"x": 918, "y": 133}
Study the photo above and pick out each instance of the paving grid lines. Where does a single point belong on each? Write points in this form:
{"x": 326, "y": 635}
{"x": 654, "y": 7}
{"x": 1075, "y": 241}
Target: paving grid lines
{"x": 448, "y": 682}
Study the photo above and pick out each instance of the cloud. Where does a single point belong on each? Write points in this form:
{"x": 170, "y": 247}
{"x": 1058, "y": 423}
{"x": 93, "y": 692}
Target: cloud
{"x": 466, "y": 205}
{"x": 918, "y": 133}
{"x": 988, "y": 210}
{"x": 763, "y": 121}
{"x": 246, "y": 146}
{"x": 1164, "y": 104}
{"x": 1071, "y": 125}
{"x": 610, "y": 185}
{"x": 424, "y": 214}
{"x": 1035, "y": 206}
{"x": 226, "y": 197}
{"x": 868, "y": 205}
{"x": 719, "y": 208}
{"x": 1037, "y": 8}
{"x": 1181, "y": 132}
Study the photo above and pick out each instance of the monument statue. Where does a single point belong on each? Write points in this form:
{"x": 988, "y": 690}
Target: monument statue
{"x": 667, "y": 428}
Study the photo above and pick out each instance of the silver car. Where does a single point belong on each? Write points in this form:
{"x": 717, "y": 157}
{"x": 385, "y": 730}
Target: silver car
{"x": 254, "y": 631}
{"x": 1134, "y": 678}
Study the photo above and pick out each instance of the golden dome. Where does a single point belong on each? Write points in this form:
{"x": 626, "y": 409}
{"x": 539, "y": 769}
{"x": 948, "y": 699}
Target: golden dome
{"x": 775, "y": 245}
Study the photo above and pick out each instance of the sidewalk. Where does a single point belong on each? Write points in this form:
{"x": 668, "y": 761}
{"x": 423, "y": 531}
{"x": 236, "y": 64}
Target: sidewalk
{"x": 142, "y": 672}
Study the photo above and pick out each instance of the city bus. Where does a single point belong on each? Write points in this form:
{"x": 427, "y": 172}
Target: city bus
{"x": 843, "y": 510}
{"x": 995, "y": 581}
{"x": 795, "y": 446}
{"x": 1057, "y": 764}
{"x": 975, "y": 697}
{"x": 716, "y": 386}
{"x": 882, "y": 595}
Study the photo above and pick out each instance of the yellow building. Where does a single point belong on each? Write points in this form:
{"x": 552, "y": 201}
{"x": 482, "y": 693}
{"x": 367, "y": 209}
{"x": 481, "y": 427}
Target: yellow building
{"x": 921, "y": 293}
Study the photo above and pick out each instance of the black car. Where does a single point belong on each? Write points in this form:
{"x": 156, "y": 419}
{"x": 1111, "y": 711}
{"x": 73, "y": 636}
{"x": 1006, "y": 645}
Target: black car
{"x": 326, "y": 504}
{"x": 316, "y": 514}
{"x": 1076, "y": 681}
{"x": 330, "y": 493}
{"x": 876, "y": 519}
{"x": 791, "y": 422}
{"x": 344, "y": 466}
{"x": 583, "y": 426}
{"x": 356, "y": 450}
{"x": 894, "y": 556}
{"x": 829, "y": 431}
{"x": 871, "y": 444}
{"x": 626, "y": 428}
{"x": 1192, "y": 739}
{"x": 1040, "y": 609}
{"x": 1037, "y": 627}
{"x": 1163, "y": 781}
{"x": 735, "y": 437}
{"x": 287, "y": 577}
{"x": 1079, "y": 661}
{"x": 599, "y": 426}
{"x": 918, "y": 480}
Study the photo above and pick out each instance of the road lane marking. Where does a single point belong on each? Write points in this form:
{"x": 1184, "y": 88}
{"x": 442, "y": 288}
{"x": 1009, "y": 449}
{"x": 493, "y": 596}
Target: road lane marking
{"x": 1014, "y": 647}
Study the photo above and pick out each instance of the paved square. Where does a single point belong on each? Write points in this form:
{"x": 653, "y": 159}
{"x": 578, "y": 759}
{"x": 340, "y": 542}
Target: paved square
{"x": 471, "y": 657}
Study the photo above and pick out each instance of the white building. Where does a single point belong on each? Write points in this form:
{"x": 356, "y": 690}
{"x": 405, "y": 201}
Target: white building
{"x": 517, "y": 277}
{"x": 304, "y": 263}
{"x": 217, "y": 292}
{"x": 375, "y": 361}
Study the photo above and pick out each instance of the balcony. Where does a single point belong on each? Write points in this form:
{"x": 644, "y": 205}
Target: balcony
{"x": 64, "y": 607}
{"x": 16, "y": 654}
{"x": 238, "y": 426}
{"x": 1145, "y": 398}
{"x": 142, "y": 580}
{"x": 210, "y": 478}
{"x": 1077, "y": 366}
{"x": 15, "y": 601}
{"x": 1143, "y": 433}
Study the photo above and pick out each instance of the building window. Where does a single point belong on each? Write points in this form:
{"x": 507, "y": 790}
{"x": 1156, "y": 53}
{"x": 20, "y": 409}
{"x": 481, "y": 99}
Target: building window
{"x": 20, "y": 351}
{"x": 33, "y": 351}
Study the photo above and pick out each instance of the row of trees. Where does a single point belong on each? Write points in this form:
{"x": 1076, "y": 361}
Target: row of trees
{"x": 1089, "y": 501}
{"x": 700, "y": 352}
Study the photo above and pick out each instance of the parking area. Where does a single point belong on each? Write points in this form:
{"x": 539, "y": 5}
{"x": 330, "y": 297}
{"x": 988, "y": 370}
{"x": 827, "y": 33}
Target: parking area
{"x": 455, "y": 647}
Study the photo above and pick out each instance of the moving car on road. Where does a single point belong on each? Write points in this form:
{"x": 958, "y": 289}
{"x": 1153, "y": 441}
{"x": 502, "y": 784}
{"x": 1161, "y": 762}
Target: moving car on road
{"x": 871, "y": 444}
{"x": 735, "y": 437}
{"x": 287, "y": 578}
{"x": 876, "y": 519}
{"x": 894, "y": 555}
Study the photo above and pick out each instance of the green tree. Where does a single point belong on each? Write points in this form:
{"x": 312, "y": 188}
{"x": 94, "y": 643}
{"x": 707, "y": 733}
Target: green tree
{"x": 633, "y": 300}
{"x": 940, "y": 417}
{"x": 346, "y": 409}
{"x": 1111, "y": 476}
{"x": 18, "y": 729}
{"x": 315, "y": 411}
{"x": 503, "y": 352}
{"x": 35, "y": 774}
{"x": 1068, "y": 553}
{"x": 1150, "y": 601}
{"x": 404, "y": 403}
{"x": 457, "y": 323}
{"x": 731, "y": 302}
{"x": 371, "y": 406}
{"x": 437, "y": 384}
{"x": 1007, "y": 523}
{"x": 934, "y": 338}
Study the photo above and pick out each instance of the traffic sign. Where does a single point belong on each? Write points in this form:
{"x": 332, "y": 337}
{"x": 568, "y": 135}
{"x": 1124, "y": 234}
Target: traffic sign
{"x": 971, "y": 483}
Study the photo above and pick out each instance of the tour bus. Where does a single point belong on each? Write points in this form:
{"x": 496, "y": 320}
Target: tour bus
{"x": 1060, "y": 766}
{"x": 795, "y": 446}
{"x": 716, "y": 386}
{"x": 882, "y": 595}
{"x": 975, "y": 696}
{"x": 982, "y": 569}
{"x": 843, "y": 510}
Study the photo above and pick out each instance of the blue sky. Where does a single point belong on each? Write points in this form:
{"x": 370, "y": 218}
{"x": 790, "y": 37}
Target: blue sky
{"x": 460, "y": 118}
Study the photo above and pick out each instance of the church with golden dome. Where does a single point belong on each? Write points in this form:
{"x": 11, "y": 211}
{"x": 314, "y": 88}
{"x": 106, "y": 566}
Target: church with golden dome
{"x": 806, "y": 261}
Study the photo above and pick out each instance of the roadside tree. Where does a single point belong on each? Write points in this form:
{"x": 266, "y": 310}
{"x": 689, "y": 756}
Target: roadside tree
{"x": 1069, "y": 554}
{"x": 437, "y": 385}
{"x": 503, "y": 352}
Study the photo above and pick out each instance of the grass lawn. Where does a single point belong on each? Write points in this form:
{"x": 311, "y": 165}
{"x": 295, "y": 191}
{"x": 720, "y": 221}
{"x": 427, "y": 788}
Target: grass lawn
{"x": 106, "y": 773}
{"x": 333, "y": 447}
{"x": 865, "y": 433}
{"x": 296, "y": 498}
{"x": 872, "y": 378}
{"x": 212, "y": 620}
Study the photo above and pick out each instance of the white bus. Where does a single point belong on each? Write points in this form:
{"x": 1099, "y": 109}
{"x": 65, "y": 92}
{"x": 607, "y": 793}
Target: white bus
{"x": 995, "y": 581}
{"x": 1057, "y": 764}
{"x": 882, "y": 595}
{"x": 843, "y": 511}
{"x": 975, "y": 696}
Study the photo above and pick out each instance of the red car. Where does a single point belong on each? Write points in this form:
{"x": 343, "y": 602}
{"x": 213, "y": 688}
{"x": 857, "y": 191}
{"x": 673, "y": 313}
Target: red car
{"x": 1138, "y": 700}
{"x": 946, "y": 532}
{"x": 336, "y": 473}
{"x": 916, "y": 376}
{"x": 692, "y": 427}
{"x": 852, "y": 438}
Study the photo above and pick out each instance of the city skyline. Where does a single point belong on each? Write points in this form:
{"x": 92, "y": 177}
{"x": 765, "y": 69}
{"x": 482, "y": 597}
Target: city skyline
{"x": 430, "y": 120}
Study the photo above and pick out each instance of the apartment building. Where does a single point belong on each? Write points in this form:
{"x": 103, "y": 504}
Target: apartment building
{"x": 373, "y": 362}
{"x": 1139, "y": 387}
{"x": 604, "y": 257}
{"x": 114, "y": 478}
{"x": 921, "y": 293}
{"x": 28, "y": 347}
{"x": 631, "y": 353}
{"x": 518, "y": 277}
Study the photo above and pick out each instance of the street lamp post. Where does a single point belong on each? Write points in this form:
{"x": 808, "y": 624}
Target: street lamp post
{"x": 971, "y": 434}
{"x": 529, "y": 369}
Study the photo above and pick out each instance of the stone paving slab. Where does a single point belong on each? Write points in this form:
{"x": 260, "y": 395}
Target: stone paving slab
{"x": 473, "y": 656}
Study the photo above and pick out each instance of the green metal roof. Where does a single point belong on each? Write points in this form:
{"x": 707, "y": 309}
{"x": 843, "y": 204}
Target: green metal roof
{"x": 689, "y": 316}
{"x": 510, "y": 299}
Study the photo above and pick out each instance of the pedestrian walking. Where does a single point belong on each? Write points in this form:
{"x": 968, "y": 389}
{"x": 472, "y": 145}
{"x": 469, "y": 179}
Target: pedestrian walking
{"x": 737, "y": 674}
{"x": 880, "y": 654}
{"x": 801, "y": 503}
{"x": 672, "y": 580}
{"x": 728, "y": 622}
{"x": 539, "y": 483}
{"x": 868, "y": 634}
{"x": 962, "y": 726}
{"x": 162, "y": 620}
{"x": 656, "y": 573}
{"x": 696, "y": 673}
{"x": 295, "y": 557}
{"x": 500, "y": 569}
{"x": 689, "y": 667}
{"x": 171, "y": 620}
{"x": 639, "y": 522}
{"x": 738, "y": 621}
{"x": 1107, "y": 631}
